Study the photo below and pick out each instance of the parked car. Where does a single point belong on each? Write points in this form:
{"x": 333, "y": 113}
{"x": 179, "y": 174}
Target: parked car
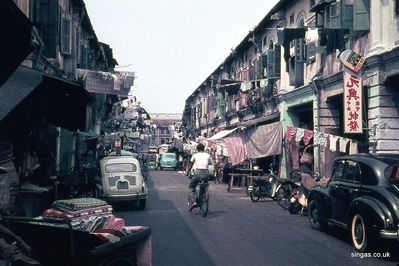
{"x": 121, "y": 179}
{"x": 168, "y": 160}
{"x": 362, "y": 197}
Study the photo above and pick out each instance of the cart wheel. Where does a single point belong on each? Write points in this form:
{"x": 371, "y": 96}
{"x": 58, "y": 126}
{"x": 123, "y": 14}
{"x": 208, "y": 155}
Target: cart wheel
{"x": 118, "y": 260}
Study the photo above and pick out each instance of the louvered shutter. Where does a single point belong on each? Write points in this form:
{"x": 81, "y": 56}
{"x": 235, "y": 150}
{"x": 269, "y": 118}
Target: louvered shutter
{"x": 264, "y": 65}
{"x": 311, "y": 52}
{"x": 335, "y": 15}
{"x": 84, "y": 58}
{"x": 270, "y": 63}
{"x": 347, "y": 16}
{"x": 361, "y": 18}
{"x": 277, "y": 61}
{"x": 47, "y": 20}
{"x": 66, "y": 36}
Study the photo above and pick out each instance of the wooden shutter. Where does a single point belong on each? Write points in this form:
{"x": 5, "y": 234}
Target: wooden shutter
{"x": 264, "y": 65}
{"x": 311, "y": 52}
{"x": 259, "y": 69}
{"x": 84, "y": 62}
{"x": 277, "y": 61}
{"x": 347, "y": 16}
{"x": 291, "y": 70}
{"x": 361, "y": 15}
{"x": 47, "y": 22}
{"x": 300, "y": 50}
{"x": 327, "y": 16}
{"x": 66, "y": 36}
{"x": 335, "y": 15}
{"x": 270, "y": 63}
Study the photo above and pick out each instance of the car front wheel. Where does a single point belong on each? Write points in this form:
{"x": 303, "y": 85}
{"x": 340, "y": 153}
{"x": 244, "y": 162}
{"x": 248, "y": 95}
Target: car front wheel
{"x": 361, "y": 233}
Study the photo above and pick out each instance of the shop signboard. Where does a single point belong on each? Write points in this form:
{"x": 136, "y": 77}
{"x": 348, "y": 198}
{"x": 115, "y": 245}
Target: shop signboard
{"x": 352, "y": 60}
{"x": 352, "y": 102}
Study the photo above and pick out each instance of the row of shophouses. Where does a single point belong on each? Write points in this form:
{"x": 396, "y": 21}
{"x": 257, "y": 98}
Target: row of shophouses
{"x": 59, "y": 91}
{"x": 327, "y": 71}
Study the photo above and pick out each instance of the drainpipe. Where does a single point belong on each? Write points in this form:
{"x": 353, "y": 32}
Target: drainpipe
{"x": 316, "y": 91}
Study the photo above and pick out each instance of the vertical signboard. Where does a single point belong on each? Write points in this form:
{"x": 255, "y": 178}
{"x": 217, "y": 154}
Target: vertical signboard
{"x": 352, "y": 102}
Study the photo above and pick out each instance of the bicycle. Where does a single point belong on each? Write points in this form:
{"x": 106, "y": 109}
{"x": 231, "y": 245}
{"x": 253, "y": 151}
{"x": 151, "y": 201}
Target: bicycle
{"x": 201, "y": 197}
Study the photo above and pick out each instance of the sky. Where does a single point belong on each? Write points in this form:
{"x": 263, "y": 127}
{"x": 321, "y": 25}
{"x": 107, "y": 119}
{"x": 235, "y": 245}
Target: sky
{"x": 172, "y": 45}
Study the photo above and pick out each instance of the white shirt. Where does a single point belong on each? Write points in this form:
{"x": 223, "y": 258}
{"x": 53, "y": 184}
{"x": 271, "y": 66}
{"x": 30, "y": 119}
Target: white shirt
{"x": 201, "y": 160}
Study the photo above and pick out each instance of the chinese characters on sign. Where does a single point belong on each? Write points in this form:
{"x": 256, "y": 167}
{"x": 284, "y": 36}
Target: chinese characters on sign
{"x": 352, "y": 102}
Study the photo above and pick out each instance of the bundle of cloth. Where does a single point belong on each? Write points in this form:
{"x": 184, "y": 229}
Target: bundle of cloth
{"x": 86, "y": 214}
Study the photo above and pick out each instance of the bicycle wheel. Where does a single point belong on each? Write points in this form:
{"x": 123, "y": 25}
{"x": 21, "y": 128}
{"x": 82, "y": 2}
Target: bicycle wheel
{"x": 204, "y": 202}
{"x": 255, "y": 193}
{"x": 283, "y": 196}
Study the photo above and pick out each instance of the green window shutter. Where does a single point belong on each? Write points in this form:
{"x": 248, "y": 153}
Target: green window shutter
{"x": 300, "y": 50}
{"x": 277, "y": 61}
{"x": 291, "y": 71}
{"x": 361, "y": 16}
{"x": 259, "y": 69}
{"x": 84, "y": 58}
{"x": 311, "y": 52}
{"x": 347, "y": 17}
{"x": 66, "y": 36}
{"x": 264, "y": 65}
{"x": 335, "y": 15}
{"x": 47, "y": 23}
{"x": 327, "y": 16}
{"x": 270, "y": 63}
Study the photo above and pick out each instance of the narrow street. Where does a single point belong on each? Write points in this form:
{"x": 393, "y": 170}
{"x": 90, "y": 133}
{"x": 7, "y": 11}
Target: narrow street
{"x": 236, "y": 230}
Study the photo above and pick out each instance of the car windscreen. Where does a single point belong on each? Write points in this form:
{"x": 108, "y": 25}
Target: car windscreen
{"x": 120, "y": 167}
{"x": 392, "y": 173}
{"x": 168, "y": 156}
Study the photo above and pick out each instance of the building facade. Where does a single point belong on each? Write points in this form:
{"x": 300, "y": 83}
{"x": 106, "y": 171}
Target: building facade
{"x": 292, "y": 67}
{"x": 163, "y": 128}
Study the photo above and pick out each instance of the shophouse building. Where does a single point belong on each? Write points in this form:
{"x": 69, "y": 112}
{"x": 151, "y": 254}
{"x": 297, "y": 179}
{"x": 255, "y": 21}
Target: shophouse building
{"x": 57, "y": 86}
{"x": 298, "y": 66}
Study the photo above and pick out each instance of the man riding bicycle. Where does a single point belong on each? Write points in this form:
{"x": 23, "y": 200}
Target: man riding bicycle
{"x": 199, "y": 162}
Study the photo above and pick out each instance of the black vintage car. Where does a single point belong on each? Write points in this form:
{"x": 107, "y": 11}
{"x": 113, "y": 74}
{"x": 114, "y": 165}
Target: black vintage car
{"x": 362, "y": 196}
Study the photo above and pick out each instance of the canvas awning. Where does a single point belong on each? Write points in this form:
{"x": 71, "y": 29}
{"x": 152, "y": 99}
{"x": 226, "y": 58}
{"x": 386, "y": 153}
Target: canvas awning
{"x": 222, "y": 134}
{"x": 259, "y": 120}
{"x": 28, "y": 96}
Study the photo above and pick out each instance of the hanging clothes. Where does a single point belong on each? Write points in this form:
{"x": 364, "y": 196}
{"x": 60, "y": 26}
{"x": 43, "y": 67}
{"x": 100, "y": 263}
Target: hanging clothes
{"x": 300, "y": 132}
{"x": 264, "y": 140}
{"x": 307, "y": 136}
{"x": 290, "y": 133}
{"x": 321, "y": 139}
{"x": 244, "y": 99}
{"x": 353, "y": 147}
{"x": 236, "y": 148}
{"x": 333, "y": 142}
{"x": 343, "y": 142}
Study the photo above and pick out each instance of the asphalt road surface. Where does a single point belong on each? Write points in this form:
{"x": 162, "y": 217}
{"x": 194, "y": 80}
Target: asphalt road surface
{"x": 238, "y": 231}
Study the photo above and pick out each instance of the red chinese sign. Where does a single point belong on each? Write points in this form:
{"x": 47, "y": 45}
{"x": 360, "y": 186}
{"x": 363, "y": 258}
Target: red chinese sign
{"x": 353, "y": 102}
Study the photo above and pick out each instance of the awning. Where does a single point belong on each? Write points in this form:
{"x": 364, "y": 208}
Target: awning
{"x": 259, "y": 120}
{"x": 28, "y": 96}
{"x": 15, "y": 46}
{"x": 222, "y": 134}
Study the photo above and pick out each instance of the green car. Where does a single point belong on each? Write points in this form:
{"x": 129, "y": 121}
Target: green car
{"x": 168, "y": 160}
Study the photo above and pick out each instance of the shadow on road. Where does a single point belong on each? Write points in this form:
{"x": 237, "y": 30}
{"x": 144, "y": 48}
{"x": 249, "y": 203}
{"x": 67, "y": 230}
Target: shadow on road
{"x": 173, "y": 241}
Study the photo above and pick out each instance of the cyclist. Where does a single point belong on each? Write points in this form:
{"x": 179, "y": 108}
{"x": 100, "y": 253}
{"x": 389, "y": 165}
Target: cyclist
{"x": 199, "y": 162}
